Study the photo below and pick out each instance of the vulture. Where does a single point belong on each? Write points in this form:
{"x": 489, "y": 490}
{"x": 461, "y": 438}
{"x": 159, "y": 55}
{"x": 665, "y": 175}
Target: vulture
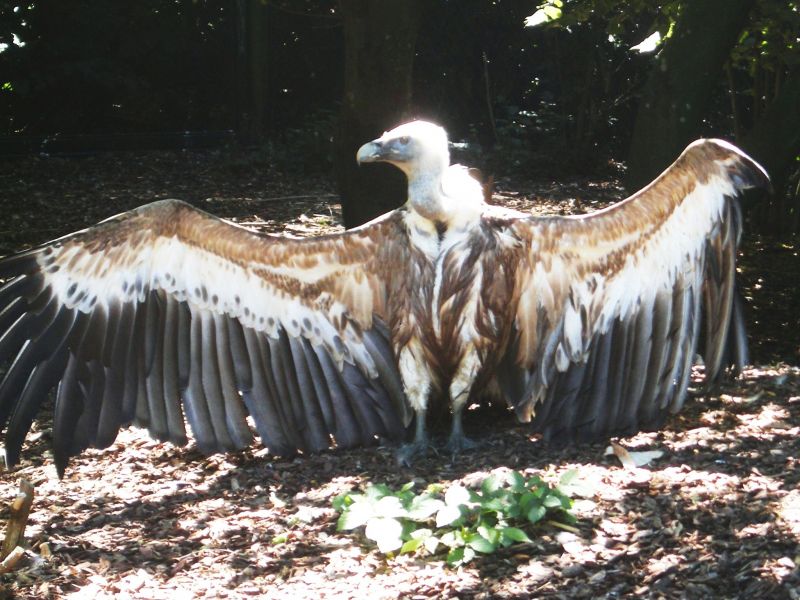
{"x": 586, "y": 325}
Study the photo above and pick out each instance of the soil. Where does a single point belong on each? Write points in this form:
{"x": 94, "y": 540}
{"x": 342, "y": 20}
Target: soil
{"x": 716, "y": 516}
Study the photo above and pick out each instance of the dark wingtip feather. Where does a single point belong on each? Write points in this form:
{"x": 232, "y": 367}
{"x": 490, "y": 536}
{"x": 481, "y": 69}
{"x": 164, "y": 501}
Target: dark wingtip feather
{"x": 68, "y": 406}
{"x": 737, "y": 354}
{"x": 43, "y": 377}
{"x": 749, "y": 174}
{"x": 18, "y": 264}
{"x": 744, "y": 171}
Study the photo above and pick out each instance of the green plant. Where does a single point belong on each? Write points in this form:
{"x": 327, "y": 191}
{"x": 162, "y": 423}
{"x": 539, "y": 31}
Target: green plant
{"x": 463, "y": 521}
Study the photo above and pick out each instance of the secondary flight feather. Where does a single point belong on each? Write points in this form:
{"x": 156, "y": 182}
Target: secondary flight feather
{"x": 588, "y": 325}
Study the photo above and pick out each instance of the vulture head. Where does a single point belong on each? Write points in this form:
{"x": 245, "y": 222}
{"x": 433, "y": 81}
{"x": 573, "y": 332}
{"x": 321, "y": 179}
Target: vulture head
{"x": 415, "y": 148}
{"x": 436, "y": 190}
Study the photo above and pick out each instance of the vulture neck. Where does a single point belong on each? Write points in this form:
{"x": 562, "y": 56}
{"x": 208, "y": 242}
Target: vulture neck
{"x": 449, "y": 199}
{"x": 426, "y": 198}
{"x": 425, "y": 193}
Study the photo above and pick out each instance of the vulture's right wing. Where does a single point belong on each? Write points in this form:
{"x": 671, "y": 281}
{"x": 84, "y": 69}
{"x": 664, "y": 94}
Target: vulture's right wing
{"x": 610, "y": 304}
{"x": 167, "y": 311}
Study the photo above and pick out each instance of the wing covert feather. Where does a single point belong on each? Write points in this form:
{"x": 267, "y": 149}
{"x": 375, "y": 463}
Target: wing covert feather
{"x": 165, "y": 314}
{"x": 610, "y": 304}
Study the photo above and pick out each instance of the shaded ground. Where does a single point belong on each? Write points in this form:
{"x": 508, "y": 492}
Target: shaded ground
{"x": 717, "y": 516}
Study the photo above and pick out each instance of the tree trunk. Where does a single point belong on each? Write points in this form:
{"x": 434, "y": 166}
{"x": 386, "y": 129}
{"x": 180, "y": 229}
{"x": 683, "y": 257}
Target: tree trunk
{"x": 379, "y": 41}
{"x": 680, "y": 85}
{"x": 252, "y": 54}
{"x": 775, "y": 142}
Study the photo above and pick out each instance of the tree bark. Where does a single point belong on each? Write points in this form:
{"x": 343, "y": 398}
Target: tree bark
{"x": 680, "y": 85}
{"x": 379, "y": 44}
{"x": 251, "y": 61}
{"x": 774, "y": 142}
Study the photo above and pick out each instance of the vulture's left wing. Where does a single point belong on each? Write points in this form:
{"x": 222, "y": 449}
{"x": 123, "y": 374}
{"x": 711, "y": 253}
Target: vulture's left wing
{"x": 610, "y": 305}
{"x": 167, "y": 311}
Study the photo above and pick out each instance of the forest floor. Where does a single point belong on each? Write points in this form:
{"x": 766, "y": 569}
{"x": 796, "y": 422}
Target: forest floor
{"x": 717, "y": 516}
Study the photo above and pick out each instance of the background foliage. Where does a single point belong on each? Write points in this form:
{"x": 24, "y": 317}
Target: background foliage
{"x": 560, "y": 96}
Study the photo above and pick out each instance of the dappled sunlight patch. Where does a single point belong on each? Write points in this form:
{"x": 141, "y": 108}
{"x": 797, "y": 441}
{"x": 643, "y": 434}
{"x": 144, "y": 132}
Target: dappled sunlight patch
{"x": 718, "y": 515}
{"x": 770, "y": 416}
{"x": 344, "y": 562}
{"x": 617, "y": 528}
{"x": 658, "y": 567}
{"x": 643, "y": 439}
{"x": 307, "y": 514}
{"x": 788, "y": 511}
{"x": 698, "y": 485}
{"x": 536, "y": 571}
{"x": 141, "y": 584}
{"x": 780, "y": 571}
{"x": 583, "y": 508}
{"x": 578, "y": 549}
{"x": 754, "y": 530}
{"x": 327, "y": 491}
{"x": 717, "y": 417}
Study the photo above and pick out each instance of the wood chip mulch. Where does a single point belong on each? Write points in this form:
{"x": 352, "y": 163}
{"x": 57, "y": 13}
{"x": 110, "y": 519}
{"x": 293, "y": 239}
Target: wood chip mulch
{"x": 717, "y": 516}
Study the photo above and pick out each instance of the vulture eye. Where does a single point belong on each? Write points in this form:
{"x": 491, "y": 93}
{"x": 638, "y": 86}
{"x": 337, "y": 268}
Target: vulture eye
{"x": 404, "y": 140}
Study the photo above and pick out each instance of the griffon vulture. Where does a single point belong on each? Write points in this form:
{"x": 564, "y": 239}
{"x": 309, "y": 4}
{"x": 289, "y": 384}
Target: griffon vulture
{"x": 588, "y": 325}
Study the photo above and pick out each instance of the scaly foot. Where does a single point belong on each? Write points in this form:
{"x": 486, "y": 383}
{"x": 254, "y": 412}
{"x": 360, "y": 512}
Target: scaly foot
{"x": 459, "y": 443}
{"x": 408, "y": 453}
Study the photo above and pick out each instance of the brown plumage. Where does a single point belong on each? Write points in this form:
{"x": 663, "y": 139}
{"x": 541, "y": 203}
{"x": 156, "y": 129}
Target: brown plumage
{"x": 588, "y": 325}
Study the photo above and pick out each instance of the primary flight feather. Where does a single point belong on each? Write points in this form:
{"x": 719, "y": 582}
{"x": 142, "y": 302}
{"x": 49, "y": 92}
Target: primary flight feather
{"x": 588, "y": 325}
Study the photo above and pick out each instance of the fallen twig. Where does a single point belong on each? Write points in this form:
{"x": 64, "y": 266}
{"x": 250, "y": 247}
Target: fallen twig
{"x": 563, "y": 526}
{"x": 20, "y": 509}
{"x": 10, "y": 561}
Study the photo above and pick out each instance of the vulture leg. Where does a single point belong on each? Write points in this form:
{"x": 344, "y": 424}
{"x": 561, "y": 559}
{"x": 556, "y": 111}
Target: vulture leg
{"x": 421, "y": 444}
{"x": 417, "y": 381}
{"x": 459, "y": 394}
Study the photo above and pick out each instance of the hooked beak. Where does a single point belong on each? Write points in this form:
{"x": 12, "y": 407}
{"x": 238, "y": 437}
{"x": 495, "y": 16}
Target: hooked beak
{"x": 370, "y": 152}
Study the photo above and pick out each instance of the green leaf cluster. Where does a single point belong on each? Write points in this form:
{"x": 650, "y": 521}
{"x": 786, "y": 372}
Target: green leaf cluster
{"x": 459, "y": 521}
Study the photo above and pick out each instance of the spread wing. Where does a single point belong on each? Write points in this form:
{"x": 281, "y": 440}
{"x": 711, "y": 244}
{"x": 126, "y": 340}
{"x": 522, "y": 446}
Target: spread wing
{"x": 166, "y": 314}
{"x": 610, "y": 305}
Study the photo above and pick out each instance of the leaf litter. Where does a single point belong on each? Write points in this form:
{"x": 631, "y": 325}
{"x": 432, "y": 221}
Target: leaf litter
{"x": 715, "y": 516}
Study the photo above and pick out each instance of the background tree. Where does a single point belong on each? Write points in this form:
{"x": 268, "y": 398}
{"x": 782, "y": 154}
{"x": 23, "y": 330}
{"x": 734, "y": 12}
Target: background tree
{"x": 379, "y": 39}
{"x": 570, "y": 96}
{"x": 764, "y": 83}
{"x": 252, "y": 69}
{"x": 677, "y": 94}
{"x": 77, "y": 67}
{"x": 723, "y": 69}
{"x": 775, "y": 141}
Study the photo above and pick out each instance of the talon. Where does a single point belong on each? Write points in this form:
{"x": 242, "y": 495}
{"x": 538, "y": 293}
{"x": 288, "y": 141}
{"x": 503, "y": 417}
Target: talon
{"x": 460, "y": 443}
{"x": 409, "y": 452}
